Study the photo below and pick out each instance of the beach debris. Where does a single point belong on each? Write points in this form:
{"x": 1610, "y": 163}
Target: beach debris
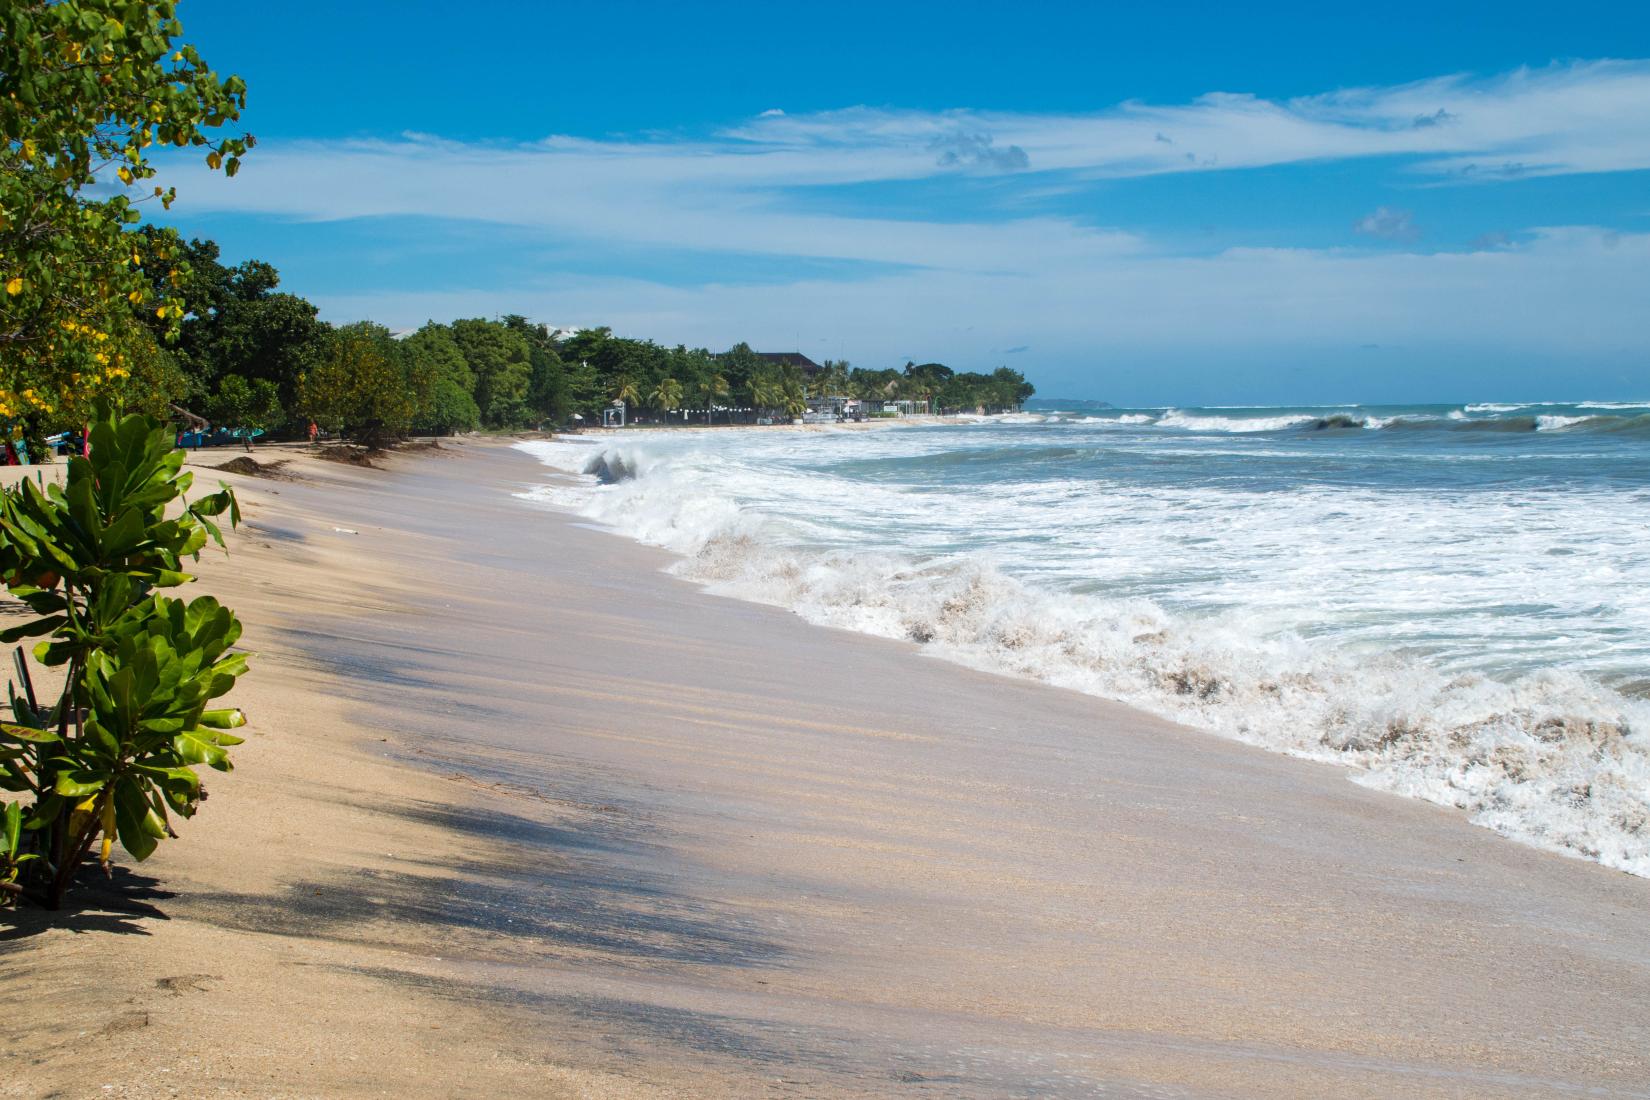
{"x": 179, "y": 984}
{"x": 251, "y": 467}
{"x": 345, "y": 531}
{"x": 349, "y": 456}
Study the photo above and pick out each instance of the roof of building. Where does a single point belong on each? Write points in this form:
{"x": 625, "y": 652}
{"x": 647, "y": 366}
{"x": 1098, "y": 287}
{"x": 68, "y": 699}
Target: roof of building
{"x": 790, "y": 359}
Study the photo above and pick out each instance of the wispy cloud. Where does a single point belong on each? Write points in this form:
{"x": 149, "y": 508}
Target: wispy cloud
{"x": 1388, "y": 224}
{"x": 746, "y": 190}
{"x": 963, "y": 149}
{"x": 1143, "y": 309}
{"x": 725, "y": 191}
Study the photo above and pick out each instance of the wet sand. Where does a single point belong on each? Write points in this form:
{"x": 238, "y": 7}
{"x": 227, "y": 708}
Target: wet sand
{"x": 622, "y": 837}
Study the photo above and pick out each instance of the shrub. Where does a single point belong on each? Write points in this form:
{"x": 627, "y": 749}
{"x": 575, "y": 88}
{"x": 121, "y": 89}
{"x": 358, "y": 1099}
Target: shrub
{"x": 113, "y": 756}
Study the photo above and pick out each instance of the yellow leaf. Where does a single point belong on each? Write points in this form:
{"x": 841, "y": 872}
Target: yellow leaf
{"x": 213, "y": 160}
{"x": 125, "y": 174}
{"x": 135, "y": 297}
{"x": 14, "y": 286}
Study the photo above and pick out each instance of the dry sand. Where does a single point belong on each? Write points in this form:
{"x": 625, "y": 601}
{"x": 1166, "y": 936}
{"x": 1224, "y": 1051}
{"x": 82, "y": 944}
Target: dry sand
{"x": 521, "y": 815}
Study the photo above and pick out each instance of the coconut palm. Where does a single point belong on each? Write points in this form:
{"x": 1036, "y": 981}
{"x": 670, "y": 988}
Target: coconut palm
{"x": 667, "y": 395}
{"x": 625, "y": 390}
{"x": 765, "y": 391}
{"x": 794, "y": 399}
{"x": 709, "y": 388}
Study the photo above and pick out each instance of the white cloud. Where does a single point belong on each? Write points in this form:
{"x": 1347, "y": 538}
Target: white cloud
{"x": 1076, "y": 288}
{"x": 734, "y": 191}
{"x": 1563, "y": 298}
{"x": 1389, "y": 224}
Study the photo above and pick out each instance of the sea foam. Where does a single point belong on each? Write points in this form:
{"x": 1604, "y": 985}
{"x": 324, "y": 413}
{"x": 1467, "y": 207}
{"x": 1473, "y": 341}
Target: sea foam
{"x": 1551, "y": 758}
{"x": 1174, "y": 418}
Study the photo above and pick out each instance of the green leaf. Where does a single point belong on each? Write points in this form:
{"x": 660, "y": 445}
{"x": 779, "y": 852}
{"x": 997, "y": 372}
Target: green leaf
{"x": 132, "y": 824}
{"x": 31, "y": 629}
{"x": 79, "y": 783}
{"x": 33, "y": 736}
{"x": 11, "y": 829}
{"x": 199, "y": 746}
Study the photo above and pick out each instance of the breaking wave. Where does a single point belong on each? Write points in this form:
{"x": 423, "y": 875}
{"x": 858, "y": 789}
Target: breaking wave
{"x": 1550, "y": 758}
{"x": 1582, "y": 418}
{"x": 1174, "y": 418}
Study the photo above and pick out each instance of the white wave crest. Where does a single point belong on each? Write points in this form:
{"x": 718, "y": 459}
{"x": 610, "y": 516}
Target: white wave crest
{"x": 1494, "y": 408}
{"x": 1555, "y": 423}
{"x": 1551, "y": 759}
{"x": 1174, "y": 418}
{"x": 1126, "y": 418}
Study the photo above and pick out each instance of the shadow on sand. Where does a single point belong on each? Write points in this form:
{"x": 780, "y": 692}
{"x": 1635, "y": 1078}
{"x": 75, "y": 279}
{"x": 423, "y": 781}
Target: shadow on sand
{"x": 116, "y": 903}
{"x": 586, "y": 886}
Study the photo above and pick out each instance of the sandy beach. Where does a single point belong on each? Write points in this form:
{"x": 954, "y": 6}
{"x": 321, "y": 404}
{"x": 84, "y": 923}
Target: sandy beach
{"x": 520, "y": 814}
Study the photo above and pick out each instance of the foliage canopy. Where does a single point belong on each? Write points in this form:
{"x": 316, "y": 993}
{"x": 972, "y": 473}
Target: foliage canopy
{"x": 89, "y": 90}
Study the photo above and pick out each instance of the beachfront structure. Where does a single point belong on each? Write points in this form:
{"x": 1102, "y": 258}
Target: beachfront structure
{"x": 831, "y": 408}
{"x": 796, "y": 359}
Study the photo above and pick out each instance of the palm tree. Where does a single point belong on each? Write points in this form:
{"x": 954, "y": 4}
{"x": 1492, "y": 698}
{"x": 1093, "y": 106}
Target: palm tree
{"x": 710, "y": 387}
{"x": 625, "y": 390}
{"x": 765, "y": 391}
{"x": 794, "y": 399}
{"x": 667, "y": 395}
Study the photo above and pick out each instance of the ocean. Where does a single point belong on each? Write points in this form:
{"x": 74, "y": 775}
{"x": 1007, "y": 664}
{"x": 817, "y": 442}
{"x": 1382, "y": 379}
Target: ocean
{"x": 1452, "y": 601}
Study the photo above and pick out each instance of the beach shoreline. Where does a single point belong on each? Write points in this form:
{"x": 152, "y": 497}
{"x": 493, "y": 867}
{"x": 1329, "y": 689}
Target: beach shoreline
{"x": 532, "y": 817}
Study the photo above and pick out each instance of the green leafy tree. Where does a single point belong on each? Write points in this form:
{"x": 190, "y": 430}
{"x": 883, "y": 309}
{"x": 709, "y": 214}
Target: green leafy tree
{"x": 358, "y": 386}
{"x": 502, "y": 362}
{"x": 741, "y": 366}
{"x": 442, "y": 382}
{"x": 248, "y": 406}
{"x": 114, "y": 755}
{"x": 88, "y": 90}
{"x": 154, "y": 379}
{"x": 624, "y": 389}
{"x": 551, "y": 391}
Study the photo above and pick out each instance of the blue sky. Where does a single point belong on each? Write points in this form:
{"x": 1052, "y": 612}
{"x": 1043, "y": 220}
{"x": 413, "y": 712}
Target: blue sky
{"x": 1144, "y": 203}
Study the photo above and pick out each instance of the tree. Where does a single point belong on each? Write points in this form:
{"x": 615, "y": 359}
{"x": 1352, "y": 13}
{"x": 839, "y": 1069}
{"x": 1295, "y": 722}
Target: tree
{"x": 624, "y": 389}
{"x": 767, "y": 392}
{"x": 831, "y": 378}
{"x": 551, "y": 392}
{"x": 250, "y": 406}
{"x": 358, "y": 386}
{"x": 441, "y": 381}
{"x": 256, "y": 334}
{"x": 502, "y": 362}
{"x": 88, "y": 88}
{"x": 709, "y": 388}
{"x": 741, "y": 366}
{"x": 793, "y": 397}
{"x": 667, "y": 395}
